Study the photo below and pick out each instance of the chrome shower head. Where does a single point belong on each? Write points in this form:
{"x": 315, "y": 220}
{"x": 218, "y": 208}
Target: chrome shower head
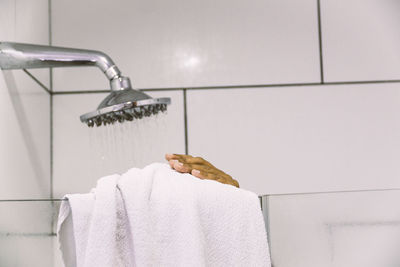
{"x": 125, "y": 105}
{"x": 122, "y": 104}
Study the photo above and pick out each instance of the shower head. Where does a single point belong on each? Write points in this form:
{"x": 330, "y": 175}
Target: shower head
{"x": 126, "y": 104}
{"x": 122, "y": 104}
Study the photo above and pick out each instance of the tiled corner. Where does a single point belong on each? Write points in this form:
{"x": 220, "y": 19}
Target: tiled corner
{"x": 183, "y": 43}
{"x": 82, "y": 155}
{"x": 24, "y": 142}
{"x": 25, "y": 233}
{"x": 300, "y": 139}
{"x": 337, "y": 229}
{"x": 360, "y": 39}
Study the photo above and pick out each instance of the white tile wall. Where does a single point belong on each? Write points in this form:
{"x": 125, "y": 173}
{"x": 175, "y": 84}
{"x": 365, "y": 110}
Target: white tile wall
{"x": 25, "y": 234}
{"x": 25, "y": 227}
{"x": 7, "y": 18}
{"x": 26, "y": 21}
{"x": 32, "y": 217}
{"x": 184, "y": 43}
{"x": 360, "y": 39}
{"x": 32, "y": 26}
{"x": 82, "y": 155}
{"x": 32, "y": 251}
{"x": 24, "y": 140}
{"x": 300, "y": 139}
{"x": 335, "y": 230}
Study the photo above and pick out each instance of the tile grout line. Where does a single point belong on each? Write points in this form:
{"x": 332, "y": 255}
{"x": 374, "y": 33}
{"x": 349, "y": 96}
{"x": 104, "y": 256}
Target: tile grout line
{"x": 49, "y": 22}
{"x": 332, "y": 192}
{"x": 51, "y": 154}
{"x": 185, "y": 121}
{"x": 32, "y": 200}
{"x": 49, "y": 6}
{"x": 51, "y": 144}
{"x": 249, "y": 86}
{"x": 15, "y": 19}
{"x": 80, "y": 92}
{"x": 321, "y": 60}
{"x": 18, "y": 234}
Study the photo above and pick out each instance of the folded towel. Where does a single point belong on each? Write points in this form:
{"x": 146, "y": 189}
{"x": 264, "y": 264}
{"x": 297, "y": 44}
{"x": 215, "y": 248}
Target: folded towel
{"x": 158, "y": 217}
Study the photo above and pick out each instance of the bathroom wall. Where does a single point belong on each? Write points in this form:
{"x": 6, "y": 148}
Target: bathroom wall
{"x": 289, "y": 97}
{"x": 283, "y": 95}
{"x": 25, "y": 224}
{"x": 360, "y": 229}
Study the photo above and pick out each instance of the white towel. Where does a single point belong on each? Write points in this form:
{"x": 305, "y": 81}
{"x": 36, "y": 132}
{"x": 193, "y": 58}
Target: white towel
{"x": 158, "y": 217}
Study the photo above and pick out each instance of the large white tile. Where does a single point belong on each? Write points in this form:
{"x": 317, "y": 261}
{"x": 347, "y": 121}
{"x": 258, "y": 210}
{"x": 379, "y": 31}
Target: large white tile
{"x": 25, "y": 233}
{"x": 82, "y": 155}
{"x": 32, "y": 21}
{"x": 184, "y": 43}
{"x": 340, "y": 229}
{"x": 360, "y": 39}
{"x": 24, "y": 138}
{"x": 7, "y": 20}
{"x": 26, "y": 250}
{"x": 25, "y": 217}
{"x": 300, "y": 139}
{"x": 32, "y": 26}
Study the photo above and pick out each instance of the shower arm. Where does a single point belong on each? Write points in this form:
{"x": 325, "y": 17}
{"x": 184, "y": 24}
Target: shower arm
{"x": 28, "y": 56}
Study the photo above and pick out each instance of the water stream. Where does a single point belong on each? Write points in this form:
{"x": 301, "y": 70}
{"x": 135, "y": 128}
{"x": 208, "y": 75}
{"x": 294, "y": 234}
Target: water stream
{"x": 117, "y": 148}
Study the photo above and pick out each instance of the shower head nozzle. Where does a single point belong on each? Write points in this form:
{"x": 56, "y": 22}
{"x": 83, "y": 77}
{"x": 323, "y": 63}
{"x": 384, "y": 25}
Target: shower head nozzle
{"x": 125, "y": 105}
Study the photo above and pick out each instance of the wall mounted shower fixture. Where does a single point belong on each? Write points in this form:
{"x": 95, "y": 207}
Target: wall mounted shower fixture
{"x": 123, "y": 103}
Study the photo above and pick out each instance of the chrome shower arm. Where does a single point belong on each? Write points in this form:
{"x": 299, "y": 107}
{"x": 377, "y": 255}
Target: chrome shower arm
{"x": 122, "y": 104}
{"x": 28, "y": 56}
